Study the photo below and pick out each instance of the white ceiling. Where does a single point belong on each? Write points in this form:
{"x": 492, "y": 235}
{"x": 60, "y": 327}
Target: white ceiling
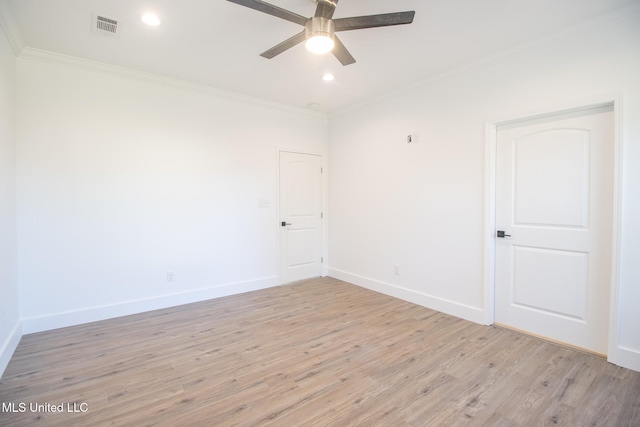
{"x": 217, "y": 43}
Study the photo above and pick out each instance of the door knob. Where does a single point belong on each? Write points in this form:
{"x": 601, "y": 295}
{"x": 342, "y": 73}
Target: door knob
{"x": 284, "y": 223}
{"x": 501, "y": 234}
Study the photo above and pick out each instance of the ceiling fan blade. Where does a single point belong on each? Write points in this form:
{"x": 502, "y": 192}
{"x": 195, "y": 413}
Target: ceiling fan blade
{"x": 287, "y": 44}
{"x": 341, "y": 53}
{"x": 326, "y": 8}
{"x": 272, "y": 10}
{"x": 371, "y": 21}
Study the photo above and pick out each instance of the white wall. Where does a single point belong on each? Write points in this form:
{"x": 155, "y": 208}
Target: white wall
{"x": 421, "y": 206}
{"x": 122, "y": 178}
{"x": 10, "y": 332}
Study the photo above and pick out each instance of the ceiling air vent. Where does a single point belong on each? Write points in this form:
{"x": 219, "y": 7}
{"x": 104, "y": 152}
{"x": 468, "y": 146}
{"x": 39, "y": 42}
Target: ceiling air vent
{"x": 108, "y": 27}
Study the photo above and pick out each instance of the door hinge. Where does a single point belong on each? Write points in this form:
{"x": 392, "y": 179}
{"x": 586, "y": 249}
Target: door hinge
{"x": 321, "y": 215}
{"x": 321, "y": 170}
{"x": 321, "y": 260}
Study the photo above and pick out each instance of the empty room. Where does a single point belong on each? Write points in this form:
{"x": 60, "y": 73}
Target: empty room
{"x": 319, "y": 213}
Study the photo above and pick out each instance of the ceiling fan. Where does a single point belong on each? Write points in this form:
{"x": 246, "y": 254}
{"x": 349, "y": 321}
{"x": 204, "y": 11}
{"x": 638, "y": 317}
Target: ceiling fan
{"x": 319, "y": 30}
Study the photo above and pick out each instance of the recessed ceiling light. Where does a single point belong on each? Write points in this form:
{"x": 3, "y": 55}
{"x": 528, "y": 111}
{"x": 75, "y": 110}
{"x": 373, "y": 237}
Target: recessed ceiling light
{"x": 328, "y": 77}
{"x": 151, "y": 19}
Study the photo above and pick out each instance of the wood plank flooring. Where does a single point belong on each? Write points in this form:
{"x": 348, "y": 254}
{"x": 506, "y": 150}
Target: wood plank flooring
{"x": 314, "y": 353}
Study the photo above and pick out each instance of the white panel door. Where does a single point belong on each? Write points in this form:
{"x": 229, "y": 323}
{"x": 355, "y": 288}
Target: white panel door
{"x": 301, "y": 216}
{"x": 554, "y": 204}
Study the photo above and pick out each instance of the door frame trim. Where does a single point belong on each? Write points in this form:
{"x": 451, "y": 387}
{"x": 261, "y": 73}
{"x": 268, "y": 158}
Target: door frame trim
{"x": 615, "y": 353}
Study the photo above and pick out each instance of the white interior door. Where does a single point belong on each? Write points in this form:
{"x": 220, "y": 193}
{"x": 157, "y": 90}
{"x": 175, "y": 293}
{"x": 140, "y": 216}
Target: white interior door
{"x": 554, "y": 204}
{"x": 301, "y": 216}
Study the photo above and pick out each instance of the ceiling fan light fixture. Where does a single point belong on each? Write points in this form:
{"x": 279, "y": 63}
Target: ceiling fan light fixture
{"x": 319, "y": 35}
{"x": 320, "y": 44}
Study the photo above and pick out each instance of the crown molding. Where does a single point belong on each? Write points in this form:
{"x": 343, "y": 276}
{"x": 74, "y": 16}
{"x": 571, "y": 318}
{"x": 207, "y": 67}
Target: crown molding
{"x": 10, "y": 28}
{"x": 629, "y": 15}
{"x": 37, "y": 55}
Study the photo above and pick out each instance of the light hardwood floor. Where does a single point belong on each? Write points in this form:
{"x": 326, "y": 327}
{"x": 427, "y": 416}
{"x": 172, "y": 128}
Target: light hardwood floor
{"x": 315, "y": 353}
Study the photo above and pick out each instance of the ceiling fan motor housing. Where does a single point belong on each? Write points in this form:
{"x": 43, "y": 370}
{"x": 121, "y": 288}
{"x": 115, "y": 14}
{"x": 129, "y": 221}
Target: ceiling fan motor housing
{"x": 319, "y": 26}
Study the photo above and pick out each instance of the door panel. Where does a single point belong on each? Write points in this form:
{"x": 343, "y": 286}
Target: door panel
{"x": 300, "y": 190}
{"x": 554, "y": 198}
{"x": 552, "y": 178}
{"x": 301, "y": 212}
{"x": 301, "y": 247}
{"x": 564, "y": 277}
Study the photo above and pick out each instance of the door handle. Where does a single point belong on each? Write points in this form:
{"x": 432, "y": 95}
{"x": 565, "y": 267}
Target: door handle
{"x": 284, "y": 223}
{"x": 501, "y": 234}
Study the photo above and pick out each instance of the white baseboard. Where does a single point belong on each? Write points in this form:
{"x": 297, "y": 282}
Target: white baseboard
{"x": 94, "y": 314}
{"x": 466, "y": 312}
{"x": 625, "y": 357}
{"x": 9, "y": 346}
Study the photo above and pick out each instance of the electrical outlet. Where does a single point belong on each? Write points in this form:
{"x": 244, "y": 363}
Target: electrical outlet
{"x": 171, "y": 277}
{"x": 396, "y": 270}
